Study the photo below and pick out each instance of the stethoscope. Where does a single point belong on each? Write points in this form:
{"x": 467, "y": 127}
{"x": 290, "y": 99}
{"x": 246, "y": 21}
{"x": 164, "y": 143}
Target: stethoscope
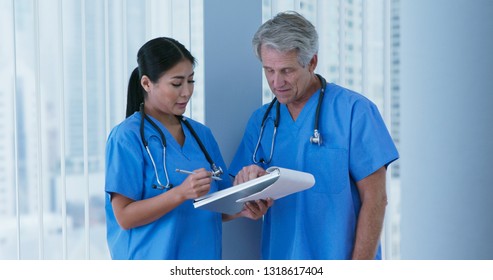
{"x": 316, "y": 138}
{"x": 216, "y": 170}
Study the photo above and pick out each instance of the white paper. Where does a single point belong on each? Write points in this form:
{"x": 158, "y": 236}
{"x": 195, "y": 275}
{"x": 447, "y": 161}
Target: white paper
{"x": 224, "y": 201}
{"x": 289, "y": 181}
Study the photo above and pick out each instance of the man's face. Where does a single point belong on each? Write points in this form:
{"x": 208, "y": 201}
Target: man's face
{"x": 288, "y": 79}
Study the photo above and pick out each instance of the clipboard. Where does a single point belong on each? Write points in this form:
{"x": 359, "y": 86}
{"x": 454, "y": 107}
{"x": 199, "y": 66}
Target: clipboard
{"x": 277, "y": 183}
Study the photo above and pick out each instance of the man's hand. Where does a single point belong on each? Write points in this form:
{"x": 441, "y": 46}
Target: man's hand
{"x": 248, "y": 173}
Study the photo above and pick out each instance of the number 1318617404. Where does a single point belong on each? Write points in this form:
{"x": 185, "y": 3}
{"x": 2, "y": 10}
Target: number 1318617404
{"x": 297, "y": 270}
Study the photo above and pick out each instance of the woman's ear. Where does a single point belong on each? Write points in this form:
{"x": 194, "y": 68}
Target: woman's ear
{"x": 146, "y": 83}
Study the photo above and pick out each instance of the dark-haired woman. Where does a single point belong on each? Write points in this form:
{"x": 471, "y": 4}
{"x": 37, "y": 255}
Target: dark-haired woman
{"x": 149, "y": 206}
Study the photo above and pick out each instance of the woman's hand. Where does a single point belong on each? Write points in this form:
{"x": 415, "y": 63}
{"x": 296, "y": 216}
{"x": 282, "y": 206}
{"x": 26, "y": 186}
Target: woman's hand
{"x": 196, "y": 185}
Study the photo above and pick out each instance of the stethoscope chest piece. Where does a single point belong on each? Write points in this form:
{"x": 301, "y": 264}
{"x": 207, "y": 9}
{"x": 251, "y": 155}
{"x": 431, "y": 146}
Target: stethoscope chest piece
{"x": 316, "y": 138}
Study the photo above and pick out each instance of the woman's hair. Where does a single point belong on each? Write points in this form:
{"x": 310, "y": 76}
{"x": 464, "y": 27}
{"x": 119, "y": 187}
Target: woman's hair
{"x": 154, "y": 58}
{"x": 288, "y": 31}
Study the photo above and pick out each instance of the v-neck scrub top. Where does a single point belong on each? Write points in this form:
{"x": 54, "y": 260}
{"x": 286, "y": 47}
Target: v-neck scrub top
{"x": 319, "y": 223}
{"x": 183, "y": 233}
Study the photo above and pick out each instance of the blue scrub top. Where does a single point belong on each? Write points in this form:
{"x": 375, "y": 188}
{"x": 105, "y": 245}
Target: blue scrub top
{"x": 183, "y": 233}
{"x": 319, "y": 223}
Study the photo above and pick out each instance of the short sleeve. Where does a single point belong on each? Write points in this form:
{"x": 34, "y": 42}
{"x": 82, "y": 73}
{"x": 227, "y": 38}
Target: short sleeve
{"x": 124, "y": 165}
{"x": 371, "y": 145}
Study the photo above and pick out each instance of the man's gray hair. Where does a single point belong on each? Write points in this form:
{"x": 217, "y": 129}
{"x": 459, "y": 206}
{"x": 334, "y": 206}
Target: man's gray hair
{"x": 288, "y": 31}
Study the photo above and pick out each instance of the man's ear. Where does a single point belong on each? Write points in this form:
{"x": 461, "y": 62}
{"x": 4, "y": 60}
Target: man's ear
{"x": 313, "y": 63}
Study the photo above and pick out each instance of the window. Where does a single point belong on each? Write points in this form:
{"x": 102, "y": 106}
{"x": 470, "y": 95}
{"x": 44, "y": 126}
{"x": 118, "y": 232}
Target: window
{"x": 354, "y": 51}
{"x": 64, "y": 71}
{"x": 64, "y": 67}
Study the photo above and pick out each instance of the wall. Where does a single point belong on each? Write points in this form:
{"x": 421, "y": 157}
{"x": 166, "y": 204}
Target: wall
{"x": 233, "y": 90}
{"x": 447, "y": 139}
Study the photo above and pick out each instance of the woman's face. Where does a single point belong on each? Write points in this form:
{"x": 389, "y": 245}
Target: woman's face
{"x": 171, "y": 93}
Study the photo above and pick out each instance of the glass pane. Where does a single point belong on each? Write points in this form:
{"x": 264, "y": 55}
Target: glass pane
{"x": 64, "y": 81}
{"x": 353, "y": 52}
{"x": 8, "y": 180}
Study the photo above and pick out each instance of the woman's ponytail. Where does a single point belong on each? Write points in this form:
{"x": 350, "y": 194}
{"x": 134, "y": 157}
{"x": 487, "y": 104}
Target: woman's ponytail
{"x": 135, "y": 93}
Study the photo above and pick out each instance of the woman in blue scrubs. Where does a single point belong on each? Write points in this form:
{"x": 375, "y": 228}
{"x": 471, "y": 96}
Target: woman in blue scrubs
{"x": 149, "y": 205}
{"x": 341, "y": 216}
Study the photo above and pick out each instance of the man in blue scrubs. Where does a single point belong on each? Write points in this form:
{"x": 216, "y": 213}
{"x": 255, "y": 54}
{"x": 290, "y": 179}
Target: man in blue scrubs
{"x": 341, "y": 216}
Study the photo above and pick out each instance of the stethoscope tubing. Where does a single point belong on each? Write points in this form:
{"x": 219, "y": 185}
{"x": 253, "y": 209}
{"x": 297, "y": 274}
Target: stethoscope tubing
{"x": 216, "y": 170}
{"x": 315, "y": 139}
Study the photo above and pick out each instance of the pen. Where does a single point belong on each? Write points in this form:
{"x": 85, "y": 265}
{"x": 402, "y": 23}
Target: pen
{"x": 190, "y": 172}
